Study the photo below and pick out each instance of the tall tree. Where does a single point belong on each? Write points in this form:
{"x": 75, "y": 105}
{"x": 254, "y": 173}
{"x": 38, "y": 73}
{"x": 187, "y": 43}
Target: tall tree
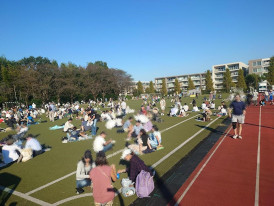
{"x": 209, "y": 82}
{"x": 270, "y": 74}
{"x": 140, "y": 87}
{"x": 227, "y": 82}
{"x": 164, "y": 89}
{"x": 252, "y": 80}
{"x": 177, "y": 87}
{"x": 190, "y": 84}
{"x": 151, "y": 87}
{"x": 241, "y": 80}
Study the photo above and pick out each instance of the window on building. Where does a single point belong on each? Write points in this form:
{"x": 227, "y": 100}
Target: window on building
{"x": 254, "y": 64}
{"x": 254, "y": 70}
{"x": 259, "y": 63}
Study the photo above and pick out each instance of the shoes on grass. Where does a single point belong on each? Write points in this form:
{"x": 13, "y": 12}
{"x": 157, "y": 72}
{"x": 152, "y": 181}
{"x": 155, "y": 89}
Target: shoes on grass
{"x": 79, "y": 191}
{"x": 235, "y": 136}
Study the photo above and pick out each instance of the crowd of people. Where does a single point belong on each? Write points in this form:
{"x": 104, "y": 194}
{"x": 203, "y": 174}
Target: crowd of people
{"x": 141, "y": 133}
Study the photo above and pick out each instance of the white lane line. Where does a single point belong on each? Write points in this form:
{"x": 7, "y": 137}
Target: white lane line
{"x": 22, "y": 195}
{"x": 257, "y": 187}
{"x": 197, "y": 175}
{"x": 111, "y": 155}
{"x": 162, "y": 159}
{"x": 73, "y": 198}
{"x": 181, "y": 145}
{"x": 178, "y": 124}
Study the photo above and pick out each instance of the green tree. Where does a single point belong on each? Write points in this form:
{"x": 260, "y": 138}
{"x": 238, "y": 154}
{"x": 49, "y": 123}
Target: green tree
{"x": 209, "y": 82}
{"x": 241, "y": 80}
{"x": 190, "y": 84}
{"x": 140, "y": 87}
{"x": 270, "y": 74}
{"x": 151, "y": 87}
{"x": 252, "y": 80}
{"x": 177, "y": 87}
{"x": 164, "y": 89}
{"x": 147, "y": 90}
{"x": 227, "y": 82}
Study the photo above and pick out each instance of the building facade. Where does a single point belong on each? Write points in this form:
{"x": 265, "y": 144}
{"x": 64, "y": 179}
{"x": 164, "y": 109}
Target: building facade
{"x": 258, "y": 66}
{"x": 218, "y": 72}
{"x": 198, "y": 80}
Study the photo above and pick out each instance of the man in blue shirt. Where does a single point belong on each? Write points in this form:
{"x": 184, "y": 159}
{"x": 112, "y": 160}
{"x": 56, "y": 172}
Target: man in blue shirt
{"x": 238, "y": 115}
{"x": 34, "y": 145}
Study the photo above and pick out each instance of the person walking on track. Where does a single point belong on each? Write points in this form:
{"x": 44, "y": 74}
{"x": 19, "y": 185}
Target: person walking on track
{"x": 238, "y": 116}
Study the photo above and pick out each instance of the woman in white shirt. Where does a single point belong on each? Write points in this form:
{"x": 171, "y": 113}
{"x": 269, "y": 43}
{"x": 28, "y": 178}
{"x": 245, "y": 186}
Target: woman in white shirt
{"x": 84, "y": 167}
{"x": 10, "y": 151}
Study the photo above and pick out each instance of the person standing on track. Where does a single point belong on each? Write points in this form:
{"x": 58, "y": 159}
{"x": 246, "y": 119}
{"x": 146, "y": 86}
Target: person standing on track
{"x": 238, "y": 116}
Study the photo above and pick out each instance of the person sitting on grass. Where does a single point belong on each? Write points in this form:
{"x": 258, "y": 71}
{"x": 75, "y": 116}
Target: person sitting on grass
{"x": 185, "y": 107}
{"x": 34, "y": 145}
{"x": 85, "y": 126}
{"x": 10, "y": 151}
{"x": 155, "y": 138}
{"x": 127, "y": 127}
{"x": 136, "y": 165}
{"x": 135, "y": 131}
{"x": 101, "y": 176}
{"x": 206, "y": 114}
{"x": 84, "y": 167}
{"x": 142, "y": 143}
{"x": 100, "y": 144}
{"x": 68, "y": 125}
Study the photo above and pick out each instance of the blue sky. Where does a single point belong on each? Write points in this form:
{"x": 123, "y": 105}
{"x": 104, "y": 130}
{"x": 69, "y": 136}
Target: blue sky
{"x": 146, "y": 38}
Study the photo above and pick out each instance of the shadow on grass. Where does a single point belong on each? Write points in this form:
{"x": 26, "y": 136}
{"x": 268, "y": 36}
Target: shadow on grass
{"x": 10, "y": 181}
{"x": 216, "y": 131}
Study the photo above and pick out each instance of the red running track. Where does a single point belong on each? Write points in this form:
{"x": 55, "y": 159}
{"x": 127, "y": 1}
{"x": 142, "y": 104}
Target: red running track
{"x": 227, "y": 175}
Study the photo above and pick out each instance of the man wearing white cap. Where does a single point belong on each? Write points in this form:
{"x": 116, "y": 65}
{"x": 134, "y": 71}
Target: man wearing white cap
{"x": 136, "y": 165}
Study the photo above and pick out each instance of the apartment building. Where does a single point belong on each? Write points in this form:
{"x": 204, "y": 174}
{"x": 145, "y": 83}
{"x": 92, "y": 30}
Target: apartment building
{"x": 258, "y": 66}
{"x": 198, "y": 80}
{"x": 219, "y": 70}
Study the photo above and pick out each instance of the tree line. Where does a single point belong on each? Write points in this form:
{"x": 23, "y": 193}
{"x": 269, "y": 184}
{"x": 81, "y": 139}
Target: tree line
{"x": 38, "y": 79}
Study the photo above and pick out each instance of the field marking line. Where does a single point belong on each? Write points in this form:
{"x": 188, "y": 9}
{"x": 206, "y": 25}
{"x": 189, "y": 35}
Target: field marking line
{"x": 73, "y": 198}
{"x": 109, "y": 156}
{"x": 200, "y": 171}
{"x": 178, "y": 123}
{"x": 257, "y": 186}
{"x": 24, "y": 196}
{"x": 182, "y": 144}
{"x": 158, "y": 162}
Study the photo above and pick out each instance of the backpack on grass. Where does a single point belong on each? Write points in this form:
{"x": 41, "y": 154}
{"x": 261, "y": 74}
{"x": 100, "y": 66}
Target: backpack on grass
{"x": 144, "y": 184}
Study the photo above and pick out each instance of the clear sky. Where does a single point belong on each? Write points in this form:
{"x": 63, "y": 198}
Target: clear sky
{"x": 146, "y": 38}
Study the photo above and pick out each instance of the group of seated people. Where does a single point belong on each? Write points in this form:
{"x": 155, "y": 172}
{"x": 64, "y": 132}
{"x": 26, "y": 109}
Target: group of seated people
{"x": 12, "y": 149}
{"x": 100, "y": 174}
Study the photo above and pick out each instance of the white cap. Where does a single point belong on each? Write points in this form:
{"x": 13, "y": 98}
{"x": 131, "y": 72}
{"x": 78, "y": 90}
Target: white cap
{"x": 125, "y": 153}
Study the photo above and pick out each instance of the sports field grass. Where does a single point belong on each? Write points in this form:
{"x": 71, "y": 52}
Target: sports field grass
{"x": 62, "y": 159}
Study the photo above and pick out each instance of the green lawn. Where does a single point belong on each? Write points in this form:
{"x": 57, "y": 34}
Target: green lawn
{"x": 62, "y": 159}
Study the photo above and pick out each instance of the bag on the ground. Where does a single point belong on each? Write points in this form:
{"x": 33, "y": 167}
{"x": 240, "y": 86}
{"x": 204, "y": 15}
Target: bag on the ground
{"x": 144, "y": 184}
{"x": 128, "y": 191}
{"x": 27, "y": 154}
{"x": 126, "y": 182}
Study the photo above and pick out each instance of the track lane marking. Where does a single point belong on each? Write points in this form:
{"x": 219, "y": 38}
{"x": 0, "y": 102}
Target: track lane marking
{"x": 257, "y": 186}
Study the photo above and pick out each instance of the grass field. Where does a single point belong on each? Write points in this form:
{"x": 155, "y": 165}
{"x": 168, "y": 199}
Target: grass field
{"x": 62, "y": 159}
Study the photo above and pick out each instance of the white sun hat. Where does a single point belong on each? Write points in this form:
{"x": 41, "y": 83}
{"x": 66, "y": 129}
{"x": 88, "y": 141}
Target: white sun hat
{"x": 126, "y": 152}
